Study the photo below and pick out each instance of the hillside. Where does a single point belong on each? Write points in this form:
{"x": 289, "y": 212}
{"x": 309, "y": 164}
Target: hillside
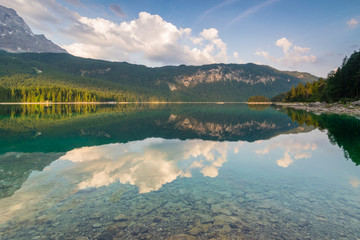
{"x": 342, "y": 85}
{"x": 122, "y": 81}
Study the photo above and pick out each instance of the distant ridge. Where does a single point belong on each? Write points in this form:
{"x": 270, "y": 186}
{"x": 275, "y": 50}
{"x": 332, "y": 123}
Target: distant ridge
{"x": 121, "y": 81}
{"x": 16, "y": 36}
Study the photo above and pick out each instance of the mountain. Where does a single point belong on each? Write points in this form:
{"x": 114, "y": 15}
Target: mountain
{"x": 215, "y": 82}
{"x": 34, "y": 69}
{"x": 16, "y": 36}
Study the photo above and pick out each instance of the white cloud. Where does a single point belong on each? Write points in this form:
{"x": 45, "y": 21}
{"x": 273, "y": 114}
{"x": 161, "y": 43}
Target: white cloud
{"x": 301, "y": 50}
{"x": 210, "y": 34}
{"x": 149, "y": 35}
{"x": 352, "y": 23}
{"x": 284, "y": 44}
{"x": 294, "y": 55}
{"x": 148, "y": 39}
{"x": 197, "y": 40}
{"x": 236, "y": 57}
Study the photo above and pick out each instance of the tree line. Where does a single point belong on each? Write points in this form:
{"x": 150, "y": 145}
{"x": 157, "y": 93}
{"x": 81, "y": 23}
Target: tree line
{"x": 43, "y": 88}
{"x": 340, "y": 85}
{"x": 258, "y": 99}
{"x": 63, "y": 94}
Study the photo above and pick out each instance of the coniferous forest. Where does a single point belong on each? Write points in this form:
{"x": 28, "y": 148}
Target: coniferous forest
{"x": 340, "y": 85}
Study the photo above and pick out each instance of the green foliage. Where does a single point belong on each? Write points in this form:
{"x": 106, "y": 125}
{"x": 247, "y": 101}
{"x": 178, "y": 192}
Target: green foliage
{"x": 311, "y": 92}
{"x": 63, "y": 94}
{"x": 258, "y": 99}
{"x": 342, "y": 85}
{"x": 121, "y": 81}
{"x": 279, "y": 98}
{"x": 345, "y": 83}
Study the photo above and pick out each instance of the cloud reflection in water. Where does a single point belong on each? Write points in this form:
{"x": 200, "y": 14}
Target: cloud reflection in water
{"x": 295, "y": 148}
{"x": 148, "y": 164}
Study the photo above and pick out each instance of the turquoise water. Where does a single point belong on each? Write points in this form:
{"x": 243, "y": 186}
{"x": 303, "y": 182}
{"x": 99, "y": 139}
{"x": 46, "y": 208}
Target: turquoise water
{"x": 177, "y": 172}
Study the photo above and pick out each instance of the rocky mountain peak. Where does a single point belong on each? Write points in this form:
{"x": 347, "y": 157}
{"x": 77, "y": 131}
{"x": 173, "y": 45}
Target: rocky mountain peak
{"x": 16, "y": 36}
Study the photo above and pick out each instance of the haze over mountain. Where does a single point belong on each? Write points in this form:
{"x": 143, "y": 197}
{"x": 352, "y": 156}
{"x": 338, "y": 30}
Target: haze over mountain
{"x": 16, "y": 36}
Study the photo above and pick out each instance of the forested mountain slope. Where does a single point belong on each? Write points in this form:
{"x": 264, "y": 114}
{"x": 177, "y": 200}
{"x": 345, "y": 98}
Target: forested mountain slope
{"x": 121, "y": 81}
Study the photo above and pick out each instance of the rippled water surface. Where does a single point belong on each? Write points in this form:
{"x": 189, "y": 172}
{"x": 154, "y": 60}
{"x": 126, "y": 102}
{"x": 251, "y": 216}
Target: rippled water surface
{"x": 189, "y": 171}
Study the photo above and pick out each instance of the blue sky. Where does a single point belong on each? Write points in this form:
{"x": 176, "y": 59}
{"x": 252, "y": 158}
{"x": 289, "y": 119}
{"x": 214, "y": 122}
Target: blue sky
{"x": 299, "y": 35}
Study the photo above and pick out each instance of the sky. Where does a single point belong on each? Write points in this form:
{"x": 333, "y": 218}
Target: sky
{"x": 296, "y": 35}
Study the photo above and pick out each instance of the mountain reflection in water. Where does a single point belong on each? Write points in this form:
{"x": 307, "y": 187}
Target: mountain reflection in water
{"x": 27, "y": 130}
{"x": 126, "y": 171}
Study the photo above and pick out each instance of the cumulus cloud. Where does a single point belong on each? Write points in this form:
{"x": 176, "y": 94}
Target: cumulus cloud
{"x": 293, "y": 55}
{"x": 284, "y": 44}
{"x": 149, "y": 35}
{"x": 147, "y": 39}
{"x": 209, "y": 34}
{"x": 352, "y": 23}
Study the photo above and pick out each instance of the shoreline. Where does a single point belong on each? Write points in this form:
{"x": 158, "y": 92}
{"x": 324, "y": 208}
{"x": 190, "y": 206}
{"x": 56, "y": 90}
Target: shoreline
{"x": 110, "y": 103}
{"x": 350, "y": 109}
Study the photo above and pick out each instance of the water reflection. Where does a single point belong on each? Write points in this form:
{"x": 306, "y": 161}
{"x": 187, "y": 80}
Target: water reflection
{"x": 15, "y": 168}
{"x": 355, "y": 182}
{"x": 198, "y": 187}
{"x": 148, "y": 164}
{"x": 61, "y": 128}
{"x": 294, "y": 149}
{"x": 342, "y": 130}
{"x": 221, "y": 130}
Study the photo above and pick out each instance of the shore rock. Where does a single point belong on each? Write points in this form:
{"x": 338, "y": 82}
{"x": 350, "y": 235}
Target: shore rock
{"x": 351, "y": 109}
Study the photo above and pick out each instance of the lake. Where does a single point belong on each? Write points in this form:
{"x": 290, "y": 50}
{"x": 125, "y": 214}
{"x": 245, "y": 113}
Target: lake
{"x": 177, "y": 171}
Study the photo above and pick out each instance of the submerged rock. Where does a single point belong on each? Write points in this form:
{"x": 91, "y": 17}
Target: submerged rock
{"x": 120, "y": 218}
{"x": 96, "y": 225}
{"x": 219, "y": 209}
{"x": 195, "y": 230}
